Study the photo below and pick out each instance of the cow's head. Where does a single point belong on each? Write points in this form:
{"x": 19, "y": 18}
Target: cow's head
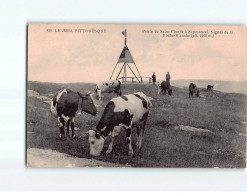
{"x": 197, "y": 93}
{"x": 96, "y": 142}
{"x": 88, "y": 104}
{"x": 170, "y": 91}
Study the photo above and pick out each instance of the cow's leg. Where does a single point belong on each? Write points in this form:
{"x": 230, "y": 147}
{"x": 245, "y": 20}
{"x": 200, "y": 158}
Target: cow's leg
{"x": 159, "y": 90}
{"x": 61, "y": 127}
{"x": 128, "y": 138}
{"x": 142, "y": 132}
{"x": 138, "y": 135}
{"x": 68, "y": 125}
{"x": 73, "y": 127}
{"x": 112, "y": 137}
{"x": 99, "y": 94}
{"x": 191, "y": 94}
{"x": 115, "y": 132}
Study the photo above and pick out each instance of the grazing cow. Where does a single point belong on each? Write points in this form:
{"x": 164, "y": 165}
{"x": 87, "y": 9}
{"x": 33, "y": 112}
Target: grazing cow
{"x": 108, "y": 87}
{"x": 163, "y": 87}
{"x": 66, "y": 103}
{"x": 210, "y": 87}
{"x": 123, "y": 112}
{"x": 193, "y": 89}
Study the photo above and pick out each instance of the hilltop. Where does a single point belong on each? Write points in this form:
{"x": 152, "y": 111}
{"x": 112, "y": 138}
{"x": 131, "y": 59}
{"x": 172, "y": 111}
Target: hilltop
{"x": 217, "y": 140}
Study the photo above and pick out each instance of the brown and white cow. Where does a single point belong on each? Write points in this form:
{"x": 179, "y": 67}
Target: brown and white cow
{"x": 123, "y": 112}
{"x": 108, "y": 87}
{"x": 66, "y": 103}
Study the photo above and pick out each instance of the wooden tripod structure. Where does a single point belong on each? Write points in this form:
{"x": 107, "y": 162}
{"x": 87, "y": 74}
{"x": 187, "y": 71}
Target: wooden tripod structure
{"x": 126, "y": 58}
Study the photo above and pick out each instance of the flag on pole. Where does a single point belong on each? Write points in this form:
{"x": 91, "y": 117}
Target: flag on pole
{"x": 124, "y": 32}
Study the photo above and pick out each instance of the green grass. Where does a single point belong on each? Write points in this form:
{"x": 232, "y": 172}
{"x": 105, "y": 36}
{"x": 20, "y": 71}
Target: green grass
{"x": 163, "y": 144}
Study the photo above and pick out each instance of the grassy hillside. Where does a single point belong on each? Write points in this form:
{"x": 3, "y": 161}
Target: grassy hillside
{"x": 223, "y": 86}
{"x": 164, "y": 145}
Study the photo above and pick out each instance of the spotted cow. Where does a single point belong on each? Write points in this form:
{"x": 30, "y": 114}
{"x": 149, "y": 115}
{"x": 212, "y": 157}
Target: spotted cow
{"x": 120, "y": 113}
{"x": 108, "y": 87}
{"x": 66, "y": 104}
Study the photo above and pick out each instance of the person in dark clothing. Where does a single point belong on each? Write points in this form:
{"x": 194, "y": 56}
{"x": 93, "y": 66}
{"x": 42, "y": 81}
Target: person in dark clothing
{"x": 168, "y": 77}
{"x": 154, "y": 78}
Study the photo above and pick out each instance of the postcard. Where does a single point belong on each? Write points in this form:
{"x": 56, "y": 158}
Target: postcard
{"x": 136, "y": 95}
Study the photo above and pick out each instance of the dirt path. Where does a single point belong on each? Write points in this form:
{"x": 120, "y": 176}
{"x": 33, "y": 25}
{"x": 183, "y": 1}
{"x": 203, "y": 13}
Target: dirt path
{"x": 50, "y": 158}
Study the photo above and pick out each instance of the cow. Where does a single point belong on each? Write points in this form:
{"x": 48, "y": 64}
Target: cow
{"x": 108, "y": 87}
{"x": 210, "y": 87}
{"x": 163, "y": 87}
{"x": 66, "y": 104}
{"x": 193, "y": 90}
{"x": 120, "y": 113}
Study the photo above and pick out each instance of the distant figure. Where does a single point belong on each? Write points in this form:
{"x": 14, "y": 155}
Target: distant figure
{"x": 168, "y": 77}
{"x": 154, "y": 78}
{"x": 193, "y": 89}
{"x": 210, "y": 87}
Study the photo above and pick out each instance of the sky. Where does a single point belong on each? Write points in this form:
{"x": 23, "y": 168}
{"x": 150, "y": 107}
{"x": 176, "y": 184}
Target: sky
{"x": 78, "y": 56}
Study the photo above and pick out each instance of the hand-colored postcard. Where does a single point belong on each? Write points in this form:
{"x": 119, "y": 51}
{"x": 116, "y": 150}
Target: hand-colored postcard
{"x": 128, "y": 95}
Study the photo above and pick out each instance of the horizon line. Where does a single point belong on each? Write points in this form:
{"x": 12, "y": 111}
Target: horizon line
{"x": 120, "y": 79}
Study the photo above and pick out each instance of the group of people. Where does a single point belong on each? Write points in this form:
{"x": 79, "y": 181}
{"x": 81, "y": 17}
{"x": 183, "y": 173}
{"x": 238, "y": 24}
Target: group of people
{"x": 168, "y": 77}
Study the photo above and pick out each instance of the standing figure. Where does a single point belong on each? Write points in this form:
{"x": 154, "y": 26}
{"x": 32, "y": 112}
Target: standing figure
{"x": 154, "y": 78}
{"x": 168, "y": 77}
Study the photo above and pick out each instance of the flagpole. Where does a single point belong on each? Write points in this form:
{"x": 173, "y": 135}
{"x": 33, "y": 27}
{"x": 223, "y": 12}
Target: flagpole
{"x": 125, "y": 35}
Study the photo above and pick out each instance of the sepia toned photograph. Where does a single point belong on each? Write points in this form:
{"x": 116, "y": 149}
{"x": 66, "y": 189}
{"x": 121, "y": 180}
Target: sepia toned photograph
{"x": 129, "y": 95}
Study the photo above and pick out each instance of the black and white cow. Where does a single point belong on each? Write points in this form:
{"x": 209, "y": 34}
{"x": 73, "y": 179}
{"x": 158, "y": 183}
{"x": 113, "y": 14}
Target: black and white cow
{"x": 123, "y": 112}
{"x": 193, "y": 90}
{"x": 66, "y": 104}
{"x": 164, "y": 87}
{"x": 108, "y": 87}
